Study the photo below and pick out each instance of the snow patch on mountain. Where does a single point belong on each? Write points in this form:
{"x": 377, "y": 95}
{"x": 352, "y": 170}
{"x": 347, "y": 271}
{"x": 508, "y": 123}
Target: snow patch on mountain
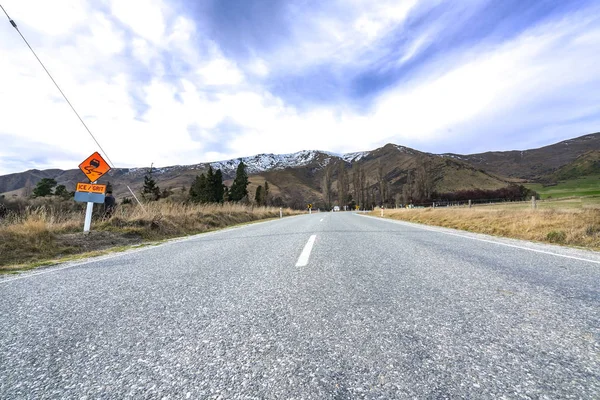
{"x": 267, "y": 162}
{"x": 262, "y": 162}
{"x": 353, "y": 157}
{"x": 403, "y": 149}
{"x": 452, "y": 155}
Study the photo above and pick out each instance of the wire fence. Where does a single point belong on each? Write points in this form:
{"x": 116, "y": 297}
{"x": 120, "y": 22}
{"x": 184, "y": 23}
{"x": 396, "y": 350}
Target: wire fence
{"x": 464, "y": 203}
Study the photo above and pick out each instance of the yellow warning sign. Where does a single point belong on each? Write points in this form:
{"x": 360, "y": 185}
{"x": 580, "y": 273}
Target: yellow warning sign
{"x": 91, "y": 188}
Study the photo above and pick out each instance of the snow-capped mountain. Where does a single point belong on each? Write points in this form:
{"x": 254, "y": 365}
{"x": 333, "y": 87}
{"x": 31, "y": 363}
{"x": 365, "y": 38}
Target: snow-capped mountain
{"x": 298, "y": 177}
{"x": 267, "y": 162}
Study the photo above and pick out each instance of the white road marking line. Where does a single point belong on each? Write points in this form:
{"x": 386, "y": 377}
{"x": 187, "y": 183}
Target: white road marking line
{"x": 487, "y": 241}
{"x": 303, "y": 259}
{"x": 321, "y": 219}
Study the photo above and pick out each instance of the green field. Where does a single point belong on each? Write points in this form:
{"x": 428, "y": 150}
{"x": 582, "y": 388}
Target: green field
{"x": 585, "y": 186}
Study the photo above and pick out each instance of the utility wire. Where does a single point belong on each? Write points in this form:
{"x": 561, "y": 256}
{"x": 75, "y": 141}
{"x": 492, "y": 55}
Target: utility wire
{"x": 14, "y": 24}
{"x": 58, "y": 87}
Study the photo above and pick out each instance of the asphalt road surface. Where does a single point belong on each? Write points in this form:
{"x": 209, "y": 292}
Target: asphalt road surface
{"x": 322, "y": 306}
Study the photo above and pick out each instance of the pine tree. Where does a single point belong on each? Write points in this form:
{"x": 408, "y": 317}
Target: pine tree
{"x": 210, "y": 194}
{"x": 219, "y": 188}
{"x": 239, "y": 188}
{"x": 61, "y": 191}
{"x": 208, "y": 188}
{"x": 151, "y": 191}
{"x": 266, "y": 194}
{"x": 44, "y": 187}
{"x": 198, "y": 191}
{"x": 259, "y": 196}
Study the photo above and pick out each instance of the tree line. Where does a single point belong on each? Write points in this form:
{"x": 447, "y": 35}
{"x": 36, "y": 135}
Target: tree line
{"x": 206, "y": 188}
{"x": 509, "y": 193}
{"x": 209, "y": 187}
{"x": 351, "y": 187}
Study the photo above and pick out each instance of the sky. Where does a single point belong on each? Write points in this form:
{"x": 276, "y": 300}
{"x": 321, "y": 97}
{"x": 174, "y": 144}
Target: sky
{"x": 175, "y": 82}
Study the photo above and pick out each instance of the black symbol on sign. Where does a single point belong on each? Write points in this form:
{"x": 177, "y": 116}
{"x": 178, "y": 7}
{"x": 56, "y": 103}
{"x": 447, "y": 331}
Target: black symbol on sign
{"x": 92, "y": 167}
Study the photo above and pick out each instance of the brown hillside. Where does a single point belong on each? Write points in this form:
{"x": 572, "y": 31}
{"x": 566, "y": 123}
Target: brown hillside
{"x": 300, "y": 184}
{"x": 533, "y": 164}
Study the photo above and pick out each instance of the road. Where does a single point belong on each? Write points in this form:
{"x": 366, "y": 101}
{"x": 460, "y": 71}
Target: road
{"x": 374, "y": 309}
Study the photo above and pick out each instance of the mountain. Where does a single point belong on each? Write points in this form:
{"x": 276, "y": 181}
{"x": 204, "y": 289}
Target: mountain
{"x": 584, "y": 165}
{"x": 297, "y": 178}
{"x": 534, "y": 164}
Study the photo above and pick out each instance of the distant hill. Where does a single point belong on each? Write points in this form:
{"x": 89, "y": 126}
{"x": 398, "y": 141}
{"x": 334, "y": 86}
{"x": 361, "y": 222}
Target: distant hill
{"x": 533, "y": 164}
{"x": 584, "y": 165}
{"x": 297, "y": 178}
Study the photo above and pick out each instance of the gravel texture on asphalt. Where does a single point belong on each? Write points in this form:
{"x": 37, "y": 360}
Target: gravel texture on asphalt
{"x": 382, "y": 310}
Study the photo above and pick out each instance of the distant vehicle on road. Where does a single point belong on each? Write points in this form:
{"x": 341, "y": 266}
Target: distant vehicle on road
{"x": 336, "y": 208}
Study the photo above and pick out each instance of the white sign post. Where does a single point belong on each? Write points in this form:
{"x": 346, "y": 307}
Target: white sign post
{"x": 88, "y": 216}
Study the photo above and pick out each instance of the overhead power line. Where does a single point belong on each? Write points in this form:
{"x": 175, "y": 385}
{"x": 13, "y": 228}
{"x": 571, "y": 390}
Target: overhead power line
{"x": 58, "y": 87}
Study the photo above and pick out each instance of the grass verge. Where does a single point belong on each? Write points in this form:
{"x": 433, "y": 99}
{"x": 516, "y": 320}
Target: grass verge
{"x": 41, "y": 237}
{"x": 572, "y": 227}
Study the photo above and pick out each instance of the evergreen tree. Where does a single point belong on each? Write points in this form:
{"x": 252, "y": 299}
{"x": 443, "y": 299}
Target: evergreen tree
{"x": 166, "y": 193}
{"x": 61, "y": 191}
{"x": 239, "y": 188}
{"x": 266, "y": 196}
{"x": 44, "y": 187}
{"x": 210, "y": 194}
{"x": 259, "y": 196}
{"x": 151, "y": 191}
{"x": 198, "y": 191}
{"x": 208, "y": 188}
{"x": 219, "y": 188}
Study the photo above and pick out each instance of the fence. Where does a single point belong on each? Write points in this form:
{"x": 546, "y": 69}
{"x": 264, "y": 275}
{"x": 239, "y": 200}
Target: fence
{"x": 470, "y": 203}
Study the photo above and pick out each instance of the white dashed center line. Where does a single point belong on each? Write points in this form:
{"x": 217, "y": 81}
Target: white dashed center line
{"x": 303, "y": 259}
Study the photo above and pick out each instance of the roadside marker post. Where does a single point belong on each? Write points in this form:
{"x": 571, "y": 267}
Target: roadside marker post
{"x": 280, "y": 213}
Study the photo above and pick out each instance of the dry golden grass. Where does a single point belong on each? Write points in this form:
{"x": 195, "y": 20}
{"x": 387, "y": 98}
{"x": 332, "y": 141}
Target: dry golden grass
{"x": 579, "y": 228}
{"x": 42, "y": 232}
{"x": 166, "y": 219}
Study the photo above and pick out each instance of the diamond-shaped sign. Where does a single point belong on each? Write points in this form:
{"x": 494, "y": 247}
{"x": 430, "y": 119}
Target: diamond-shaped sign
{"x": 94, "y": 167}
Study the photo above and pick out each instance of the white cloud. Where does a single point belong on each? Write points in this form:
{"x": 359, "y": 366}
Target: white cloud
{"x": 56, "y": 17}
{"x": 105, "y": 38}
{"x": 259, "y": 67}
{"x": 341, "y": 33}
{"x": 509, "y": 86}
{"x": 145, "y": 17}
{"x": 220, "y": 71}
